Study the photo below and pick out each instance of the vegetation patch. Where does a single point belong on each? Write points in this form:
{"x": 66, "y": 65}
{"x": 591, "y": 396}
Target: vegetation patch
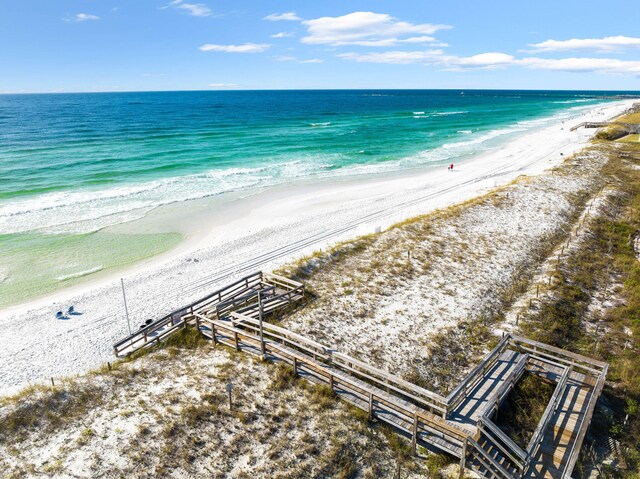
{"x": 594, "y": 309}
{"x": 523, "y": 408}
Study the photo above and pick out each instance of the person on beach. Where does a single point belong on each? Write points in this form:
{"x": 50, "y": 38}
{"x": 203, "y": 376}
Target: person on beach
{"x": 451, "y": 167}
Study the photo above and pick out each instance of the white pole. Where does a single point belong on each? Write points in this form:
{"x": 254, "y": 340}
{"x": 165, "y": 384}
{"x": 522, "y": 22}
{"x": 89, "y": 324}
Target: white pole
{"x": 126, "y": 310}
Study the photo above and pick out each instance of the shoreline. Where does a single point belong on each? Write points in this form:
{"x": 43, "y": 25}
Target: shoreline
{"x": 192, "y": 220}
{"x": 220, "y": 243}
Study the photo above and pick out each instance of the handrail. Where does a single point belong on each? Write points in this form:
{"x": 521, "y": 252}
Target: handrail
{"x": 245, "y": 297}
{"x": 492, "y": 462}
{"x": 270, "y": 299}
{"x": 329, "y": 367}
{"x": 267, "y": 327}
{"x": 386, "y": 379}
{"x": 510, "y": 443}
{"x": 593, "y": 399}
{"x": 558, "y": 351}
{"x": 165, "y": 319}
{"x": 456, "y": 395}
{"x": 498, "y": 396}
{"x": 378, "y": 376}
{"x": 275, "y": 278}
{"x": 538, "y": 434}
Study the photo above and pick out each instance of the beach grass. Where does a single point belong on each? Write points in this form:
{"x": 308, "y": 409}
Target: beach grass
{"x": 635, "y": 138}
{"x": 593, "y": 308}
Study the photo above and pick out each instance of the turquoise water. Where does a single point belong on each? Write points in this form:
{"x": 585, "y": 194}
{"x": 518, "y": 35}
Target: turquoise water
{"x": 73, "y": 164}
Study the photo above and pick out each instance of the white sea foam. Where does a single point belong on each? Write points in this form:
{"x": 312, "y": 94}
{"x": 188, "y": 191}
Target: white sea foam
{"x": 326, "y": 123}
{"x": 580, "y": 100}
{"x": 445, "y": 113}
{"x": 89, "y": 210}
{"x": 80, "y": 274}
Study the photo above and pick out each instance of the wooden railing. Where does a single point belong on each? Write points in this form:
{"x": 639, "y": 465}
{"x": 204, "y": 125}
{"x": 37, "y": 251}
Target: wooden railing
{"x": 552, "y": 406}
{"x": 507, "y": 385}
{"x": 498, "y": 438}
{"x": 504, "y": 443}
{"x": 369, "y": 388}
{"x": 578, "y": 362}
{"x": 471, "y": 380}
{"x": 231, "y": 316}
{"x": 223, "y": 300}
{"x": 586, "y": 418}
{"x": 418, "y": 395}
{"x": 493, "y": 467}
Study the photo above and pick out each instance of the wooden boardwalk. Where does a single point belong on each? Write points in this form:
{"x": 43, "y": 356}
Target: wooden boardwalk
{"x": 460, "y": 424}
{"x": 629, "y": 127}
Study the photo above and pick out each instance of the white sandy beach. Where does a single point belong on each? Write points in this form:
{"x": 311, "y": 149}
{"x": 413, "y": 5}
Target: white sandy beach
{"x": 258, "y": 232}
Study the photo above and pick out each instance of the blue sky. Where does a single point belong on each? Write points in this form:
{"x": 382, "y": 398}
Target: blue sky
{"x": 124, "y": 45}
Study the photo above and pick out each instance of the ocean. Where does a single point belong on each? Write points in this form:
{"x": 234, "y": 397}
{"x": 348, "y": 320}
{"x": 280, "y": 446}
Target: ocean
{"x": 73, "y": 166}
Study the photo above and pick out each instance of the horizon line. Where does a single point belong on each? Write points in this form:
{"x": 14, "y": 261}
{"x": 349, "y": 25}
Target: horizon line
{"x": 78, "y": 92}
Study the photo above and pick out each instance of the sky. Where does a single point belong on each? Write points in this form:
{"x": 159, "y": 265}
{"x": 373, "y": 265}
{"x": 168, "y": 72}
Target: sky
{"x": 149, "y": 45}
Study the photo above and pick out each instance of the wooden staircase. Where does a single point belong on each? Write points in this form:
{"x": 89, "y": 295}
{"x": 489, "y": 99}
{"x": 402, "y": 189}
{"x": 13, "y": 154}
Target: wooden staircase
{"x": 247, "y": 295}
{"x": 460, "y": 424}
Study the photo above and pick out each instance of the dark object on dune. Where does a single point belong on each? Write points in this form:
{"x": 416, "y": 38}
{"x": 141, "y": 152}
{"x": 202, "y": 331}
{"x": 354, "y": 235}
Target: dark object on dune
{"x": 146, "y": 323}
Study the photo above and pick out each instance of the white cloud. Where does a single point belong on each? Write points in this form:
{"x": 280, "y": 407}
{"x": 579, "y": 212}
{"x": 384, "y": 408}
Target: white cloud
{"x": 223, "y": 85}
{"x": 490, "y": 60}
{"x": 245, "y": 48}
{"x": 421, "y": 39}
{"x": 606, "y": 44}
{"x": 434, "y": 57}
{"x": 282, "y": 35}
{"x": 289, "y": 16}
{"x": 193, "y": 9}
{"x": 83, "y": 17}
{"x": 284, "y": 58}
{"x": 494, "y": 60}
{"x": 394, "y": 57}
{"x": 367, "y": 29}
{"x": 592, "y": 65}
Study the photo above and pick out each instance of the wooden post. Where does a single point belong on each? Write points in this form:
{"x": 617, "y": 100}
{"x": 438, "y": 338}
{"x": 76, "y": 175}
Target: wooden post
{"x": 109, "y": 365}
{"x": 295, "y": 366}
{"x": 370, "y": 406}
{"x": 463, "y": 458}
{"x": 52, "y": 383}
{"x": 213, "y": 334}
{"x": 331, "y": 381}
{"x": 235, "y": 339}
{"x": 414, "y": 440}
{"x": 537, "y": 290}
{"x": 261, "y": 314}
